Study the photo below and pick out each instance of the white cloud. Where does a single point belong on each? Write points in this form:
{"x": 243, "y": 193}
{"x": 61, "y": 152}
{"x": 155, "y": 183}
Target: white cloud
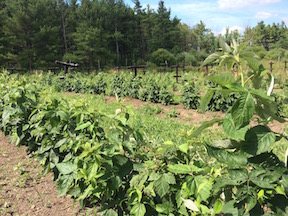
{"x": 192, "y": 7}
{"x": 231, "y": 4}
{"x": 232, "y": 28}
{"x": 264, "y": 15}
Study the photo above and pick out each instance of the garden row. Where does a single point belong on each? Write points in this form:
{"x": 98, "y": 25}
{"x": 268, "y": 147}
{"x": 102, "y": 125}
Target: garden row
{"x": 99, "y": 159}
{"x": 156, "y": 88}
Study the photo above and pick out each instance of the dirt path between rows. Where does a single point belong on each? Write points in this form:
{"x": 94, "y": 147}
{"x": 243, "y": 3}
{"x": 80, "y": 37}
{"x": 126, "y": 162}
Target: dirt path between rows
{"x": 24, "y": 191}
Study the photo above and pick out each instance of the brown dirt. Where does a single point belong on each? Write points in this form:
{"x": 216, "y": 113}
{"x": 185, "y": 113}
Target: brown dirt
{"x": 25, "y": 191}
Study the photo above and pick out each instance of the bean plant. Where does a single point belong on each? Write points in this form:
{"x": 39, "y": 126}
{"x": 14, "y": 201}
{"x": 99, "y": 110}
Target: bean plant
{"x": 99, "y": 159}
{"x": 253, "y": 181}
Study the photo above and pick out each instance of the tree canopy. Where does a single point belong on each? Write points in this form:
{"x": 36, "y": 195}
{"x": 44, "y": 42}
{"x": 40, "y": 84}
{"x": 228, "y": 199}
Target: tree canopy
{"x": 35, "y": 33}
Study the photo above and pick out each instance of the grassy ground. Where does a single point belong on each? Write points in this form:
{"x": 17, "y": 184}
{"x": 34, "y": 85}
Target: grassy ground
{"x": 159, "y": 125}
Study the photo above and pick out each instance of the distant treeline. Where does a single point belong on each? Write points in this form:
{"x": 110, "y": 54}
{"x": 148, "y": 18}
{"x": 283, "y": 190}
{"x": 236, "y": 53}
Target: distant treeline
{"x": 35, "y": 33}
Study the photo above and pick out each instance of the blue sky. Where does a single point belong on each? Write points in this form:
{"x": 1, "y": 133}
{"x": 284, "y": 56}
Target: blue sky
{"x": 219, "y": 14}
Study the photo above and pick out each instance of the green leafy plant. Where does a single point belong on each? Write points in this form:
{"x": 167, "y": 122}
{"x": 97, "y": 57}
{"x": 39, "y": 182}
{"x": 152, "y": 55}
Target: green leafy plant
{"x": 152, "y": 110}
{"x": 253, "y": 178}
{"x": 190, "y": 97}
{"x": 100, "y": 159}
{"x": 156, "y": 93}
{"x": 173, "y": 113}
{"x": 221, "y": 101}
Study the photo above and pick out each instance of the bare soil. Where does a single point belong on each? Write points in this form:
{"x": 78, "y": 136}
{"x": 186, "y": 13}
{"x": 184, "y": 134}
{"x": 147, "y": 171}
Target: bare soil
{"x": 25, "y": 191}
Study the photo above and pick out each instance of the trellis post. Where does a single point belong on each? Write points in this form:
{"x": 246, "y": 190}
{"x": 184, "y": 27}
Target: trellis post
{"x": 177, "y": 71}
{"x": 271, "y": 67}
{"x": 67, "y": 65}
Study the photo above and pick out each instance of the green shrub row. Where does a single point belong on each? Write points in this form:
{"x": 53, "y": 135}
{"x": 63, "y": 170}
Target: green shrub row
{"x": 147, "y": 88}
{"x": 99, "y": 159}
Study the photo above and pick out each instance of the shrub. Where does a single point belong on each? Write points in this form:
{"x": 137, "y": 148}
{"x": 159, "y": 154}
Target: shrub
{"x": 274, "y": 54}
{"x": 190, "y": 58}
{"x": 161, "y": 55}
{"x": 190, "y": 97}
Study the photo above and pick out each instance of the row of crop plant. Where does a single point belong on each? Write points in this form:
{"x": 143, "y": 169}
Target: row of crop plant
{"x": 153, "y": 88}
{"x": 101, "y": 160}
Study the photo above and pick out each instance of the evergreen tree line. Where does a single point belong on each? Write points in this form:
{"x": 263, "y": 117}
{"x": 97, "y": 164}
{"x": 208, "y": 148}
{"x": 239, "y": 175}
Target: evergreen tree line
{"x": 35, "y": 33}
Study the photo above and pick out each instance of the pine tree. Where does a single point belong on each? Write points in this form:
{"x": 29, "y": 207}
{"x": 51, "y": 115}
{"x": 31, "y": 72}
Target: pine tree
{"x": 32, "y": 29}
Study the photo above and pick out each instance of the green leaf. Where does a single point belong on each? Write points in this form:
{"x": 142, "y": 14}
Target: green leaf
{"x": 235, "y": 87}
{"x": 229, "y": 209}
{"x": 86, "y": 193}
{"x": 225, "y": 47}
{"x": 237, "y": 177}
{"x": 205, "y": 125}
{"x": 149, "y": 191}
{"x": 139, "y": 194}
{"x": 249, "y": 57}
{"x": 205, "y": 210}
{"x": 74, "y": 191}
{"x": 285, "y": 180}
{"x": 227, "y": 60}
{"x": 138, "y": 209}
{"x": 260, "y": 94}
{"x": 169, "y": 177}
{"x": 82, "y": 126}
{"x": 190, "y": 205}
{"x": 63, "y": 184}
{"x": 63, "y": 115}
{"x": 110, "y": 212}
{"x": 264, "y": 178}
{"x": 243, "y": 109}
{"x": 258, "y": 140}
{"x": 154, "y": 176}
{"x": 222, "y": 79}
{"x": 7, "y": 112}
{"x": 184, "y": 148}
{"x": 218, "y": 205}
{"x": 162, "y": 187}
{"x": 267, "y": 108}
{"x": 204, "y": 189}
{"x": 251, "y": 201}
{"x": 167, "y": 144}
{"x": 183, "y": 169}
{"x": 206, "y": 99}
{"x": 211, "y": 58}
{"x": 53, "y": 158}
{"x": 179, "y": 168}
{"x": 60, "y": 143}
{"x": 261, "y": 194}
{"x": 162, "y": 208}
{"x": 232, "y": 131}
{"x": 66, "y": 167}
{"x": 280, "y": 190}
{"x": 92, "y": 170}
{"x": 232, "y": 159}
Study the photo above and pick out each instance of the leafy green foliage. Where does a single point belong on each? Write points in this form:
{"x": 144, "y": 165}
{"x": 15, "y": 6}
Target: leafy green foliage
{"x": 161, "y": 55}
{"x": 155, "y": 93}
{"x": 173, "y": 113}
{"x": 252, "y": 177}
{"x": 190, "y": 97}
{"x": 216, "y": 99}
{"x": 100, "y": 159}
